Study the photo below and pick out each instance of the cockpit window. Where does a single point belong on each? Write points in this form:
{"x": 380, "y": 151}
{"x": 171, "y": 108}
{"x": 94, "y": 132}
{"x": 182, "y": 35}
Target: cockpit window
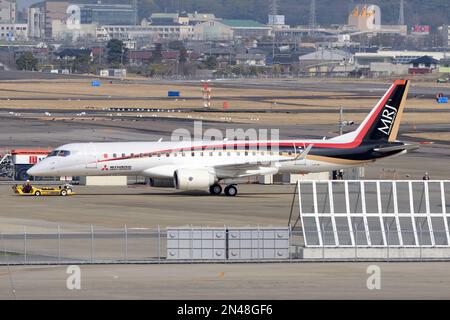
{"x": 59, "y": 153}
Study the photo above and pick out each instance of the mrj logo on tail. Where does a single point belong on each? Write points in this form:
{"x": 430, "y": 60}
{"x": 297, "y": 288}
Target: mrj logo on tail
{"x": 387, "y": 119}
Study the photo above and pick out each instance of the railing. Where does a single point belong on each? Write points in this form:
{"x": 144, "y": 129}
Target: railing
{"x": 89, "y": 245}
{"x": 385, "y": 213}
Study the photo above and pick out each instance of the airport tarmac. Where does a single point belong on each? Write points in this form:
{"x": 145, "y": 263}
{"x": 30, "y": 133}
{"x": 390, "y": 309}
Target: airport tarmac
{"x": 225, "y": 281}
{"x": 145, "y": 207}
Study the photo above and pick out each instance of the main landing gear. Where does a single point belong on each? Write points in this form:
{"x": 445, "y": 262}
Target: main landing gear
{"x": 230, "y": 191}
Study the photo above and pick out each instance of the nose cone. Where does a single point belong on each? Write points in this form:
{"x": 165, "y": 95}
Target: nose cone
{"x": 38, "y": 170}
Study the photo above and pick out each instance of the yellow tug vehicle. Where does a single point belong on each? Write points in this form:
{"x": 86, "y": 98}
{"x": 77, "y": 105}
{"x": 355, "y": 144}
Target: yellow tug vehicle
{"x": 64, "y": 190}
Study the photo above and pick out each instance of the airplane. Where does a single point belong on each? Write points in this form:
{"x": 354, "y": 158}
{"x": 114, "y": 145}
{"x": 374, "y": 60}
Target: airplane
{"x": 199, "y": 165}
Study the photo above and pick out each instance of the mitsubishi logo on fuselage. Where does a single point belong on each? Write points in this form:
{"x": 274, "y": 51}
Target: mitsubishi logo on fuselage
{"x": 387, "y": 119}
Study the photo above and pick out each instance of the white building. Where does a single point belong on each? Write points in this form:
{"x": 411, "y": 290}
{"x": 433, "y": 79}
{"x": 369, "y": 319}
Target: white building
{"x": 146, "y": 31}
{"x": 36, "y": 22}
{"x": 212, "y": 31}
{"x": 363, "y": 59}
{"x": 14, "y": 31}
{"x": 249, "y": 59}
{"x": 8, "y": 11}
{"x": 61, "y": 31}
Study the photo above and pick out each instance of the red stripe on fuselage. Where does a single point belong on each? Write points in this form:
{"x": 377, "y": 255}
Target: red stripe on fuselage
{"x": 230, "y": 146}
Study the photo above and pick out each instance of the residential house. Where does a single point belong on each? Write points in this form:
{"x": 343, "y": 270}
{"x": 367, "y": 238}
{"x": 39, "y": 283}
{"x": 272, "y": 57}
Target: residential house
{"x": 251, "y": 59}
{"x": 423, "y": 65}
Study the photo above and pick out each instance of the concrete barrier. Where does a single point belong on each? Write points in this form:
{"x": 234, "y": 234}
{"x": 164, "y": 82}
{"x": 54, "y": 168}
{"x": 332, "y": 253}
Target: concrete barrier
{"x": 104, "y": 181}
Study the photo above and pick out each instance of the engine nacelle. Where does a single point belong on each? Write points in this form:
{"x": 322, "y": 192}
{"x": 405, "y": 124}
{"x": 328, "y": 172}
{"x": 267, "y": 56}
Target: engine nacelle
{"x": 193, "y": 179}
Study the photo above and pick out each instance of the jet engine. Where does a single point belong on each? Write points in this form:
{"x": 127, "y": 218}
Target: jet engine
{"x": 193, "y": 179}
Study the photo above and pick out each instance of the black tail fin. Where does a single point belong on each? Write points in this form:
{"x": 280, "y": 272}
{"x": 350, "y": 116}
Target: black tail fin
{"x": 383, "y": 122}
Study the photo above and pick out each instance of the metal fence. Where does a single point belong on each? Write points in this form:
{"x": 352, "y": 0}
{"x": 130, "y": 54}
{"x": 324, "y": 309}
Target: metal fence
{"x": 94, "y": 245}
{"x": 90, "y": 245}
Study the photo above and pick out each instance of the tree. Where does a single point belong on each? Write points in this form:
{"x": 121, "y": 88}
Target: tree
{"x": 82, "y": 64}
{"x": 117, "y": 52}
{"x": 176, "y": 45}
{"x": 183, "y": 56}
{"x": 157, "y": 54}
{"x": 27, "y": 62}
{"x": 211, "y": 62}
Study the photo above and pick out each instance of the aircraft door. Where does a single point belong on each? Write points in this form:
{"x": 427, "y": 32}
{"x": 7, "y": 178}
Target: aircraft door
{"x": 91, "y": 156}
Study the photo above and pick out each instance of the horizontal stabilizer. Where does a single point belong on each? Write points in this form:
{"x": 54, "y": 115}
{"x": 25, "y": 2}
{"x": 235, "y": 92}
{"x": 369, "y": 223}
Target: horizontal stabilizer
{"x": 408, "y": 147}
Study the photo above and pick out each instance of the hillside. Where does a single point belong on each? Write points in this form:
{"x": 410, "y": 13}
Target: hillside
{"x": 433, "y": 12}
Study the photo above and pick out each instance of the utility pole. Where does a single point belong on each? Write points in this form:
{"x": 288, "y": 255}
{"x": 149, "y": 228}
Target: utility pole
{"x": 401, "y": 16}
{"x": 135, "y": 5}
{"x": 312, "y": 17}
{"x": 274, "y": 7}
{"x": 273, "y": 11}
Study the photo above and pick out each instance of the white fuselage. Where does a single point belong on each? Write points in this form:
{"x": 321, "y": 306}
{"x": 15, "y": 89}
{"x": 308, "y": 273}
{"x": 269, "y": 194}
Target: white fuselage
{"x": 161, "y": 159}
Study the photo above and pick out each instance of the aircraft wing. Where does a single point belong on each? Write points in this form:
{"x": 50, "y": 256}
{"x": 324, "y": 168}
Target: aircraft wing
{"x": 247, "y": 169}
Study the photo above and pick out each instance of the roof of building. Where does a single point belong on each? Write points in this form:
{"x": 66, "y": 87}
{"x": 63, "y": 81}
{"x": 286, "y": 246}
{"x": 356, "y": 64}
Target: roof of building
{"x": 140, "y": 54}
{"x": 74, "y": 52}
{"x": 425, "y": 60}
{"x": 250, "y": 56}
{"x": 326, "y": 55}
{"x": 235, "y": 23}
{"x": 202, "y": 16}
{"x": 164, "y": 16}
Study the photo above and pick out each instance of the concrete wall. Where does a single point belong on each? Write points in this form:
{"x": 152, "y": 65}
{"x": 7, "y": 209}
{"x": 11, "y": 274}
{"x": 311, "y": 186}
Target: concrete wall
{"x": 375, "y": 253}
{"x": 386, "y": 68}
{"x": 104, "y": 181}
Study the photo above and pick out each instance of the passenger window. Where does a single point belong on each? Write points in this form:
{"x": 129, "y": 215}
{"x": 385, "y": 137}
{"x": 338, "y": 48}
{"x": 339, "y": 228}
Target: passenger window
{"x": 123, "y": 155}
{"x": 210, "y": 154}
{"x": 159, "y": 155}
{"x": 228, "y": 153}
{"x": 105, "y": 156}
{"x": 193, "y": 154}
{"x": 132, "y": 155}
{"x": 183, "y": 154}
{"x": 246, "y": 153}
{"x": 115, "y": 155}
{"x": 220, "y": 154}
{"x": 167, "y": 155}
